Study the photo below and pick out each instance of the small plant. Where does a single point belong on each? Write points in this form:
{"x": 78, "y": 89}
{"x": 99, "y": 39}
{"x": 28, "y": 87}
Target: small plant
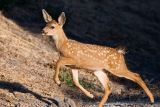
{"x": 87, "y": 84}
{"x": 66, "y": 77}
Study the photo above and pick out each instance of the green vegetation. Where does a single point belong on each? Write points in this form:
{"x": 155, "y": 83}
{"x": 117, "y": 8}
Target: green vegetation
{"x": 66, "y": 77}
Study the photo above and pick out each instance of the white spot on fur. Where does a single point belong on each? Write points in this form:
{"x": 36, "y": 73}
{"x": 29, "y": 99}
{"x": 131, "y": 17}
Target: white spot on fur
{"x": 121, "y": 51}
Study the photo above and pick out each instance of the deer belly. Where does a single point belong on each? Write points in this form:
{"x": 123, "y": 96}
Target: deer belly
{"x": 90, "y": 63}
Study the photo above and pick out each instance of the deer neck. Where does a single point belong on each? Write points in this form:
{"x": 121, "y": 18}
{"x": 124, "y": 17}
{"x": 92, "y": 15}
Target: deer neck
{"x": 60, "y": 39}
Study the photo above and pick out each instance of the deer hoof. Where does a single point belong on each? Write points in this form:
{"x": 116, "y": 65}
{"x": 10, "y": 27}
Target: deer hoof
{"x": 90, "y": 95}
{"x": 58, "y": 82}
{"x": 152, "y": 99}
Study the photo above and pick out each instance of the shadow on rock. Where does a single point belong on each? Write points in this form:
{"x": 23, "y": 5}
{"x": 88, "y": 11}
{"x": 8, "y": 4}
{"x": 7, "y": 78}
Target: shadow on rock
{"x": 17, "y": 87}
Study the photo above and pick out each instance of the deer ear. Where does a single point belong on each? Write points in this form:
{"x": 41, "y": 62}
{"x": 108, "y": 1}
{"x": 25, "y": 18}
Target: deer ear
{"x": 46, "y": 16}
{"x": 62, "y": 19}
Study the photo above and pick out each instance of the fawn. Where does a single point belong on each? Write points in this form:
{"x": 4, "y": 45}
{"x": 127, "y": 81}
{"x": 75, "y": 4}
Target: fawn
{"x": 99, "y": 59}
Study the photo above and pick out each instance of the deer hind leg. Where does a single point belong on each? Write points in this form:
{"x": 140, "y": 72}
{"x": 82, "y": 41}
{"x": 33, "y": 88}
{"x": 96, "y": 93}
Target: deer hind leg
{"x": 103, "y": 78}
{"x": 136, "y": 78}
{"x": 76, "y": 82}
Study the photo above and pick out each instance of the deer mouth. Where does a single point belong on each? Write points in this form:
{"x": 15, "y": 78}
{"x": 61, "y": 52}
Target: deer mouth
{"x": 44, "y": 33}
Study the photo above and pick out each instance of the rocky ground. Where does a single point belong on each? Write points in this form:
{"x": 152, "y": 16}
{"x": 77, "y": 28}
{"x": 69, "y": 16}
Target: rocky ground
{"x": 27, "y": 61}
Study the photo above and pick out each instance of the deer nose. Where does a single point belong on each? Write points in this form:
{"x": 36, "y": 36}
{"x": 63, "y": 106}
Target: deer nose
{"x": 43, "y": 32}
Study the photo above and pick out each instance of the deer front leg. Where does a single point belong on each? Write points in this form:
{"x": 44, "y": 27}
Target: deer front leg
{"x": 76, "y": 82}
{"x": 104, "y": 80}
{"x": 61, "y": 62}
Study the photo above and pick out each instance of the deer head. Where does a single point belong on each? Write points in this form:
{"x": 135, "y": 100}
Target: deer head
{"x": 53, "y": 28}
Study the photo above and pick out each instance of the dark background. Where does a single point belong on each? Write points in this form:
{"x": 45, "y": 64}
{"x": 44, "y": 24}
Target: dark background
{"x": 134, "y": 24}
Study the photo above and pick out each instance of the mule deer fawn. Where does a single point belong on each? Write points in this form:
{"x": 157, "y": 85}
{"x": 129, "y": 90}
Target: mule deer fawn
{"x": 99, "y": 59}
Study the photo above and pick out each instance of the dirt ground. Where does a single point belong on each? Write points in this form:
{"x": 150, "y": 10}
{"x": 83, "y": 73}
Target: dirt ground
{"x": 27, "y": 69}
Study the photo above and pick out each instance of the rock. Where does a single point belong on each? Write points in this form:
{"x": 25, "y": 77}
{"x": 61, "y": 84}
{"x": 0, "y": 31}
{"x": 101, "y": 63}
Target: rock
{"x": 70, "y": 102}
{"x": 53, "y": 105}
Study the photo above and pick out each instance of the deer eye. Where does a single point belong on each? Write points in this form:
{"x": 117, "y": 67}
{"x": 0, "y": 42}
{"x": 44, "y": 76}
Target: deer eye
{"x": 52, "y": 27}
